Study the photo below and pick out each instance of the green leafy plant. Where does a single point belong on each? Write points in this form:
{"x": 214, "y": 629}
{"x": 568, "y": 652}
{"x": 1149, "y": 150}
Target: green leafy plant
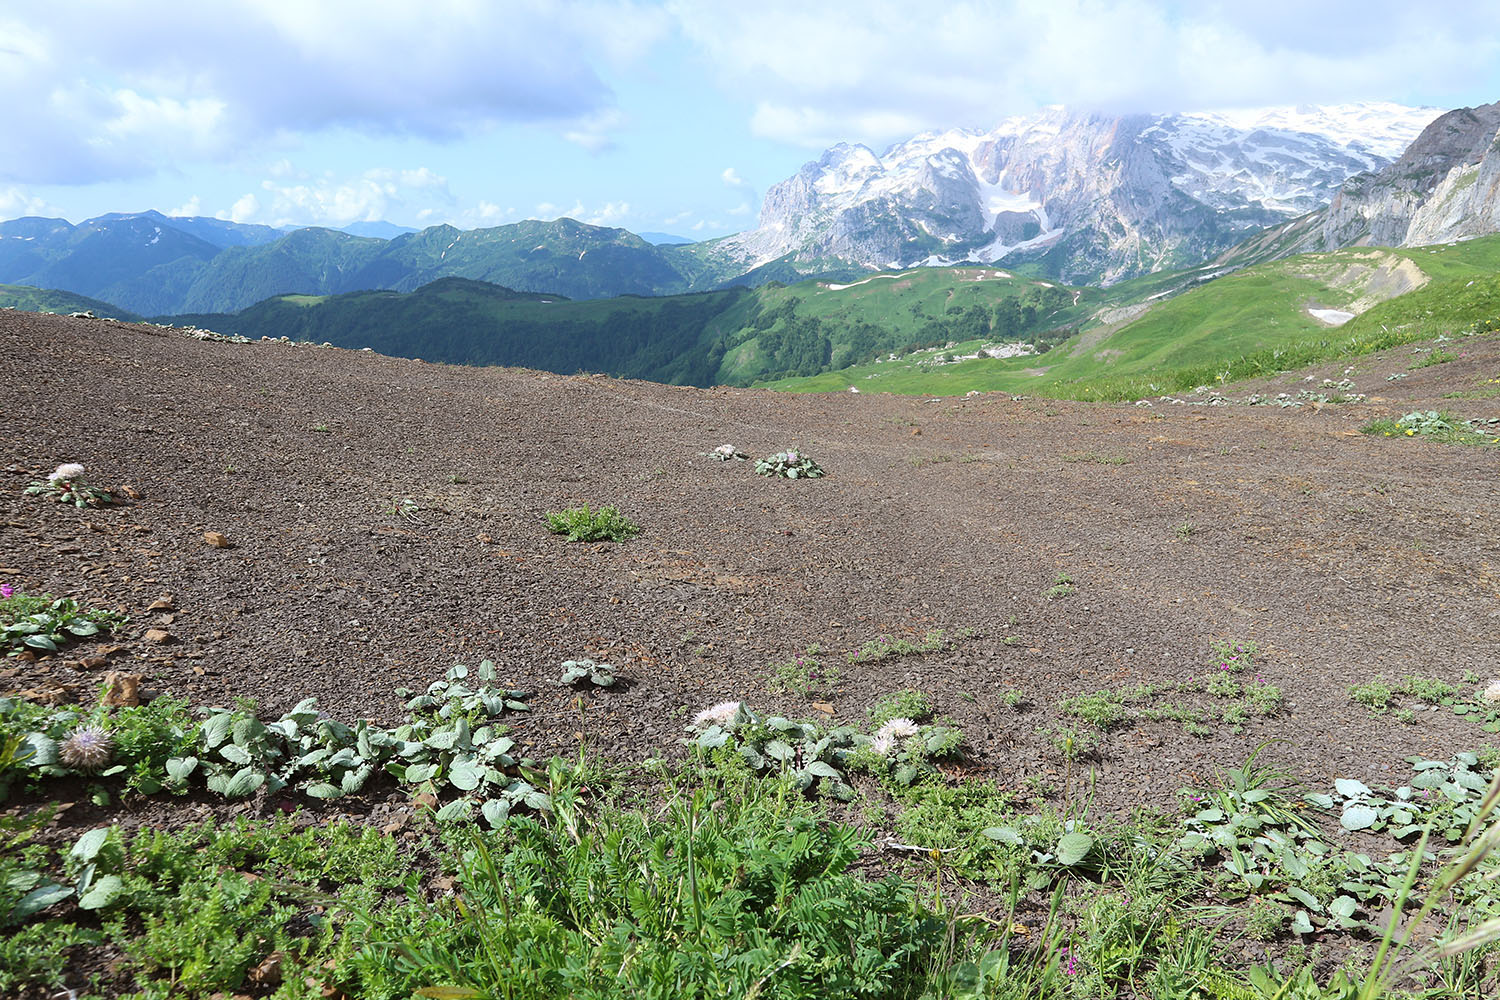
{"x": 908, "y": 703}
{"x": 596, "y": 674}
{"x": 1103, "y": 709}
{"x": 580, "y": 524}
{"x": 44, "y": 623}
{"x": 1062, "y": 586}
{"x": 1234, "y": 656}
{"x": 789, "y": 465}
{"x": 883, "y": 647}
{"x": 66, "y": 485}
{"x": 805, "y": 675}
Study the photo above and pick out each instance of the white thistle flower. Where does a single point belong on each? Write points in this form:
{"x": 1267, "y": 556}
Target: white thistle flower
{"x": 882, "y": 744}
{"x": 1491, "y": 693}
{"x": 720, "y": 715}
{"x": 68, "y": 470}
{"x": 897, "y": 729}
{"x": 727, "y": 450}
{"x": 791, "y": 457}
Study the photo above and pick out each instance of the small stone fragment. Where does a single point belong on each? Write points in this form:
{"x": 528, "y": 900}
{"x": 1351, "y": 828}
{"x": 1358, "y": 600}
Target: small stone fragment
{"x": 131, "y": 492}
{"x": 121, "y": 690}
{"x": 217, "y": 539}
{"x": 159, "y": 636}
{"x": 162, "y": 603}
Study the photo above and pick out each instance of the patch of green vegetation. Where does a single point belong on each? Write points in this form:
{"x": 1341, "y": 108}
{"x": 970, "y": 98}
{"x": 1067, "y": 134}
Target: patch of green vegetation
{"x": 883, "y": 647}
{"x": 1096, "y": 458}
{"x": 1103, "y": 709}
{"x": 580, "y": 524}
{"x": 1441, "y": 426}
{"x": 805, "y": 675}
{"x": 908, "y": 703}
{"x": 1062, "y": 586}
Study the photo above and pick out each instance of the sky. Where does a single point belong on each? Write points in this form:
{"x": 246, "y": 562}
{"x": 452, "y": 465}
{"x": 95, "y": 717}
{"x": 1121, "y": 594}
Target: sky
{"x": 671, "y": 116}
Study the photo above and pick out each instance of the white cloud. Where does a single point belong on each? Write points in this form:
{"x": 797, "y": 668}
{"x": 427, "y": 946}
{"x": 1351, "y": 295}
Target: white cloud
{"x": 880, "y": 70}
{"x": 379, "y": 193}
{"x": 743, "y": 208}
{"x": 612, "y": 214}
{"x": 245, "y": 209}
{"x": 732, "y": 178}
{"x": 593, "y": 132}
{"x": 15, "y": 203}
{"x": 97, "y": 90}
{"x": 192, "y": 207}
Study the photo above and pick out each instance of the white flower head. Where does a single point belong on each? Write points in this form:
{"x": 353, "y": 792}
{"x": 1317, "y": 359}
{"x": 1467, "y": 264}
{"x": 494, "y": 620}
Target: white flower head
{"x": 1491, "y": 693}
{"x": 882, "y": 744}
{"x": 897, "y": 729}
{"x": 721, "y": 714}
{"x": 792, "y": 457}
{"x": 727, "y": 450}
{"x": 68, "y": 470}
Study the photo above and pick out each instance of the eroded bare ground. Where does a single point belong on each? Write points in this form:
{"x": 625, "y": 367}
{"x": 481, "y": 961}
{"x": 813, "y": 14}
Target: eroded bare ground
{"x": 1343, "y": 556}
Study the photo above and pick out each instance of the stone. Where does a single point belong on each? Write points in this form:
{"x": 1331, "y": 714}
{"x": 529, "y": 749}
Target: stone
{"x": 217, "y": 539}
{"x": 121, "y": 690}
{"x": 162, "y": 603}
{"x": 159, "y": 636}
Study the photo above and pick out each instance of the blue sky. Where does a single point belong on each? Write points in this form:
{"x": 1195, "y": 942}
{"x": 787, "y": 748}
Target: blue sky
{"x": 655, "y": 116}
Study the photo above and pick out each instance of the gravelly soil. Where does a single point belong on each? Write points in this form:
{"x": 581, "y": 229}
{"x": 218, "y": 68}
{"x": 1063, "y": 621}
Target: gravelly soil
{"x": 1343, "y": 556}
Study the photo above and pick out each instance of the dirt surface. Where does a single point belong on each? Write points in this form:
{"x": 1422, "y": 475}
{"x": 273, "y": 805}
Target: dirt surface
{"x": 1343, "y": 556}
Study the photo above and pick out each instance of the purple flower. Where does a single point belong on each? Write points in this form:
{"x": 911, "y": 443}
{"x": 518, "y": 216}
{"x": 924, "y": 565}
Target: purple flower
{"x": 6, "y": 590}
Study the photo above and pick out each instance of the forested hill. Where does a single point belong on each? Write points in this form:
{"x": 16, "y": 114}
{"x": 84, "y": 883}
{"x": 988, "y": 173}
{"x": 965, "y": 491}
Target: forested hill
{"x": 732, "y": 336}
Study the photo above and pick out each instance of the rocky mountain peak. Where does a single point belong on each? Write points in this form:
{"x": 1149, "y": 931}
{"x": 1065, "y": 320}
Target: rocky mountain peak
{"x": 1097, "y": 196}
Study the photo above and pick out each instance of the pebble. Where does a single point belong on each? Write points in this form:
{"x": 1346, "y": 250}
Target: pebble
{"x": 217, "y": 539}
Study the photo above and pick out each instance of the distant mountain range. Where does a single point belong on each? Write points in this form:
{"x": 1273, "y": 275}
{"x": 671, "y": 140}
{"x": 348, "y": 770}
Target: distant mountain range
{"x": 1088, "y": 199}
{"x": 1083, "y": 197}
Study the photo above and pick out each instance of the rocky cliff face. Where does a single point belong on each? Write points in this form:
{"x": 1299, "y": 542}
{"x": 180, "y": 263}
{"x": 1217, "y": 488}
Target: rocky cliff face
{"x": 1446, "y": 186}
{"x": 1097, "y": 198}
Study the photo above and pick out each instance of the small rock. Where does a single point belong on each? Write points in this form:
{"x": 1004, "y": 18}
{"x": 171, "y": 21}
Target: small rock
{"x": 162, "y": 603}
{"x": 916, "y": 432}
{"x": 157, "y": 635}
{"x": 131, "y": 492}
{"x": 121, "y": 690}
{"x": 217, "y": 539}
{"x": 93, "y": 662}
{"x": 822, "y": 706}
{"x": 268, "y": 972}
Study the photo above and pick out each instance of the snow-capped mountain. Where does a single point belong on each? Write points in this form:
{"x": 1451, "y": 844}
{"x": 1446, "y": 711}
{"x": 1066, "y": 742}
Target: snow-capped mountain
{"x": 1099, "y": 197}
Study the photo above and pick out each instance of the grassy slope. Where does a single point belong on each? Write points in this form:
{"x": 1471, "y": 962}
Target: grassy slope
{"x": 1190, "y": 338}
{"x": 50, "y": 300}
{"x": 900, "y": 303}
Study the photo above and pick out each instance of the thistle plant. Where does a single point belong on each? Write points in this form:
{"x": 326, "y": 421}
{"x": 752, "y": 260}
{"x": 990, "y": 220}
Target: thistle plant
{"x": 725, "y": 453}
{"x": 89, "y": 750}
{"x": 66, "y": 485}
{"x": 789, "y": 465}
{"x": 597, "y": 674}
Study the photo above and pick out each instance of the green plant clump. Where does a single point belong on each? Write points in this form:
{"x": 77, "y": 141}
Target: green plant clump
{"x": 789, "y": 465}
{"x": 580, "y": 524}
{"x": 43, "y": 622}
